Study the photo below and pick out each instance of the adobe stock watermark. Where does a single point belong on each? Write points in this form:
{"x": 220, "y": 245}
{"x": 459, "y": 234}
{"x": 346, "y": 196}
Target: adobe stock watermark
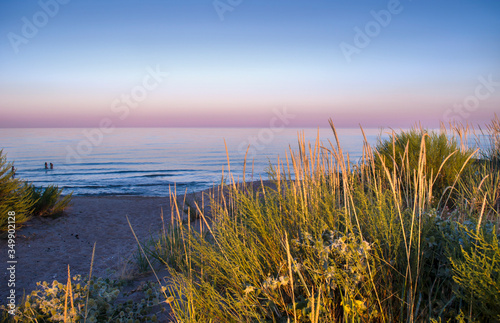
{"x": 223, "y": 6}
{"x": 483, "y": 91}
{"x": 265, "y": 136}
{"x": 363, "y": 37}
{"x": 31, "y": 26}
{"x": 121, "y": 108}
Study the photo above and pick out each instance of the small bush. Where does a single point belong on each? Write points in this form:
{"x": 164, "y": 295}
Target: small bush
{"x": 48, "y": 201}
{"x": 440, "y": 159}
{"x": 14, "y": 197}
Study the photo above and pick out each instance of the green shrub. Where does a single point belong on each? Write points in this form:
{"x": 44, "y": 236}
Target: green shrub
{"x": 440, "y": 160}
{"x": 14, "y": 197}
{"x": 48, "y": 201}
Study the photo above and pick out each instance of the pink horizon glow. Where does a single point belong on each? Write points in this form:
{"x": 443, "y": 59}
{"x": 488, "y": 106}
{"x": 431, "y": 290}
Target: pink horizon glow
{"x": 348, "y": 117}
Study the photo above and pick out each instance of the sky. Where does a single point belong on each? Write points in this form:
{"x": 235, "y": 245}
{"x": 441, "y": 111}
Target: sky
{"x": 248, "y": 63}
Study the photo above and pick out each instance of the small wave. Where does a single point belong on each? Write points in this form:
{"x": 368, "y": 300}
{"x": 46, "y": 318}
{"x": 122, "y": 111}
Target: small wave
{"x": 154, "y": 175}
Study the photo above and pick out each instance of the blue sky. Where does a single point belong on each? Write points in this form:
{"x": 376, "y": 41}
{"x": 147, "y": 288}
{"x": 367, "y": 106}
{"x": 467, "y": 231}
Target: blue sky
{"x": 420, "y": 61}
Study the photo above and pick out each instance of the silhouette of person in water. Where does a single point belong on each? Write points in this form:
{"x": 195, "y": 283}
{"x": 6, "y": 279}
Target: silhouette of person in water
{"x": 46, "y": 165}
{"x": 51, "y": 166}
{"x": 13, "y": 172}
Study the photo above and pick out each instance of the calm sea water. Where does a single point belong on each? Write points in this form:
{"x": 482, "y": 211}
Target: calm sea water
{"x": 147, "y": 161}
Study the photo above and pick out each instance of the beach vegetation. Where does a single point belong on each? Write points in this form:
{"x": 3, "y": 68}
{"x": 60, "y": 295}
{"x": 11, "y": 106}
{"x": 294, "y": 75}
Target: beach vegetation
{"x": 48, "y": 201}
{"x": 15, "y": 200}
{"x": 403, "y": 235}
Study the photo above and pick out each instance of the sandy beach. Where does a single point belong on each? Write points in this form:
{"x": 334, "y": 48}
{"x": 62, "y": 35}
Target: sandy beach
{"x": 45, "y": 246}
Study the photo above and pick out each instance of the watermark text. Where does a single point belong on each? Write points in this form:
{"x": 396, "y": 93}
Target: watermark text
{"x": 31, "y": 26}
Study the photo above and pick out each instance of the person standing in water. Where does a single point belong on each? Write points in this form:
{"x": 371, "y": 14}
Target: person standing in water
{"x": 46, "y": 165}
{"x": 51, "y": 166}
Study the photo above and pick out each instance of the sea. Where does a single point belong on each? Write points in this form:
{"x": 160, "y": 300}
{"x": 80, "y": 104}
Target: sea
{"x": 156, "y": 161}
